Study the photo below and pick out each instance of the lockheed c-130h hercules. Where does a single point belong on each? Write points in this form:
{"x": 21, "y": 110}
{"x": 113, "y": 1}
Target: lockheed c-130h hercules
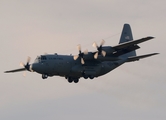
{"x": 88, "y": 64}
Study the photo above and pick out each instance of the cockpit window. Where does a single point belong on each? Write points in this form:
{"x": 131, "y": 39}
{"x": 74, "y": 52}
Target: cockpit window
{"x": 40, "y": 58}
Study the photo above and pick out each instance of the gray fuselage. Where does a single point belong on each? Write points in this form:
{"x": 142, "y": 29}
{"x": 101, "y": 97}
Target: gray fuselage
{"x": 66, "y": 66}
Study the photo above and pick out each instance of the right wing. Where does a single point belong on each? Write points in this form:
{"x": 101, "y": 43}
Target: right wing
{"x": 16, "y": 70}
{"x": 131, "y": 43}
{"x": 129, "y": 46}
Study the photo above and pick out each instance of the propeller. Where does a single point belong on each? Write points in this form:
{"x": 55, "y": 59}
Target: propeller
{"x": 80, "y": 55}
{"x": 27, "y": 66}
{"x": 99, "y": 48}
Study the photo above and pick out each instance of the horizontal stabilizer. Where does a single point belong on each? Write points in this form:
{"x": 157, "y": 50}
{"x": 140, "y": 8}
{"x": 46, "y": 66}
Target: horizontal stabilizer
{"x": 16, "y": 70}
{"x": 135, "y": 58}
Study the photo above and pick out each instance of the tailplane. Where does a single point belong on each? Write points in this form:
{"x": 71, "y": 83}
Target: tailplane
{"x": 136, "y": 58}
{"x": 125, "y": 37}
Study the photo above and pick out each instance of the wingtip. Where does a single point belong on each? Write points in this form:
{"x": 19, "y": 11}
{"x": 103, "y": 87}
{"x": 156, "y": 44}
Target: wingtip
{"x": 151, "y": 37}
{"x": 156, "y": 53}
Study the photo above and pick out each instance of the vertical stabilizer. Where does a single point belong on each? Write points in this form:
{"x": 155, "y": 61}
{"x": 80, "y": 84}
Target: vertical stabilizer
{"x": 125, "y": 37}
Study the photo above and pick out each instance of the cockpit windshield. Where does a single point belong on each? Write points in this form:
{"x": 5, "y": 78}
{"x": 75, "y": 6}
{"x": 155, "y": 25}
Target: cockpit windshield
{"x": 40, "y": 58}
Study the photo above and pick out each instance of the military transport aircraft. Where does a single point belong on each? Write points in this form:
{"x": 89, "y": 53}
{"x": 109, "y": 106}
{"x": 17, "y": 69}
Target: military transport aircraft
{"x": 88, "y": 64}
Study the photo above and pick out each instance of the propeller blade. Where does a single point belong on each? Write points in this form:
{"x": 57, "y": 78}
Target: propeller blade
{"x": 102, "y": 42}
{"x": 24, "y": 74}
{"x": 22, "y": 64}
{"x": 100, "y": 51}
{"x": 86, "y": 52}
{"x": 95, "y": 45}
{"x": 26, "y": 66}
{"x": 96, "y": 55}
{"x": 82, "y": 61}
{"x": 75, "y": 57}
{"x": 81, "y": 54}
{"x": 103, "y": 53}
{"x": 79, "y": 47}
{"x": 28, "y": 59}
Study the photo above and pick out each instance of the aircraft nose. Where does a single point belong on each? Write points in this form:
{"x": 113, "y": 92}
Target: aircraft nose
{"x": 35, "y": 67}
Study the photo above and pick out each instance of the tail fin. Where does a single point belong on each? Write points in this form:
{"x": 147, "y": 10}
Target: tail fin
{"x": 125, "y": 37}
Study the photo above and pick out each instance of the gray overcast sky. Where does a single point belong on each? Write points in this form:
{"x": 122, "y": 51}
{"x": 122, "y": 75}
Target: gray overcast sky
{"x": 132, "y": 91}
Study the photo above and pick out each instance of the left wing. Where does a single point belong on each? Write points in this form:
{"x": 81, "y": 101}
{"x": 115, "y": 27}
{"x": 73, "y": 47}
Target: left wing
{"x": 16, "y": 70}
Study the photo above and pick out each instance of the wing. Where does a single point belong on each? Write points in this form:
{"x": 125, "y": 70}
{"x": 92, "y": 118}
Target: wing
{"x": 131, "y": 43}
{"x": 16, "y": 70}
{"x": 129, "y": 46}
{"x": 135, "y": 58}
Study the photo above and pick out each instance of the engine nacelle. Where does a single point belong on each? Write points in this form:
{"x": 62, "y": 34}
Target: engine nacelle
{"x": 89, "y": 56}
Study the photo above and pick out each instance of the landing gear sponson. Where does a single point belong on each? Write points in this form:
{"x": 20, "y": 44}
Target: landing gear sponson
{"x": 70, "y": 79}
{"x": 76, "y": 80}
